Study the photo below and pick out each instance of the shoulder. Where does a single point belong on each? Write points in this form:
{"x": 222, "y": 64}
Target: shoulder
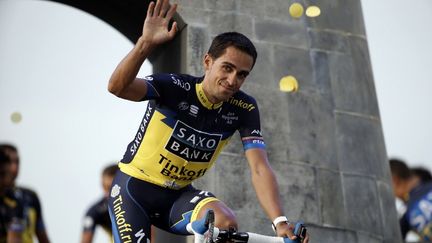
{"x": 98, "y": 207}
{"x": 168, "y": 83}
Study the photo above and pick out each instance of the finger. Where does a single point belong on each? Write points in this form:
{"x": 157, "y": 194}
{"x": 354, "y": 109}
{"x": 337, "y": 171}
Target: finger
{"x": 164, "y": 8}
{"x": 150, "y": 9}
{"x": 172, "y": 10}
{"x": 157, "y": 8}
{"x": 173, "y": 30}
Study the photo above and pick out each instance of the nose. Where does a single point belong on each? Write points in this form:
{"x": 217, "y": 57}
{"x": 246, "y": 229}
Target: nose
{"x": 232, "y": 79}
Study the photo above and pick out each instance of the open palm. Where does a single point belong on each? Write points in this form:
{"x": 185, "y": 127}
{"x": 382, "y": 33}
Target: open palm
{"x": 156, "y": 24}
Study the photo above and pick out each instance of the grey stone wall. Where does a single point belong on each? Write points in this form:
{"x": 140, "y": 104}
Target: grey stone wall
{"x": 325, "y": 142}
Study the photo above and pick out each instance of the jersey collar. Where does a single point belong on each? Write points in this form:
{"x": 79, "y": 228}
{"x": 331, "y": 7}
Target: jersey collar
{"x": 203, "y": 98}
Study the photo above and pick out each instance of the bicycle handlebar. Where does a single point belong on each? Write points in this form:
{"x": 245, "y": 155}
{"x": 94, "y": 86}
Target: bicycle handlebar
{"x": 205, "y": 231}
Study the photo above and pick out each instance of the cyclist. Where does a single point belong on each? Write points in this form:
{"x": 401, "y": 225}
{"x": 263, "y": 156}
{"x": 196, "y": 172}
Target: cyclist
{"x": 32, "y": 210}
{"x": 11, "y": 212}
{"x": 187, "y": 123}
{"x": 418, "y": 199}
{"x": 98, "y": 214}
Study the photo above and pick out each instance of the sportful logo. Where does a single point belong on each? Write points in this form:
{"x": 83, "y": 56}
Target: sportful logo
{"x": 191, "y": 144}
{"x": 194, "y": 110}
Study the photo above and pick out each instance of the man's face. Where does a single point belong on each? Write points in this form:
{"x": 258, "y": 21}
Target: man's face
{"x": 14, "y": 168}
{"x": 106, "y": 184}
{"x": 6, "y": 180}
{"x": 225, "y": 75}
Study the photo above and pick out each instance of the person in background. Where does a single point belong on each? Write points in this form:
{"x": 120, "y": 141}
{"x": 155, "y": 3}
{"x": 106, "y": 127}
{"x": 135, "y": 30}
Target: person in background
{"x": 11, "y": 213}
{"x": 32, "y": 210}
{"x": 418, "y": 200}
{"x": 98, "y": 214}
{"x": 422, "y": 174}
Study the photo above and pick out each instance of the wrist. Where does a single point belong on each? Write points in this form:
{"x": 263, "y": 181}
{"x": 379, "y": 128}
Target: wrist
{"x": 144, "y": 46}
{"x": 278, "y": 221}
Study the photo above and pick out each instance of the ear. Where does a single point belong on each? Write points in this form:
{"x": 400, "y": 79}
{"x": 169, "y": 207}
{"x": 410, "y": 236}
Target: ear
{"x": 207, "y": 61}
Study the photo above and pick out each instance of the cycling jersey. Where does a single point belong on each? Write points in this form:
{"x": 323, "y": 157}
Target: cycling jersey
{"x": 97, "y": 214}
{"x": 418, "y": 216}
{"x": 11, "y": 216}
{"x": 182, "y": 132}
{"x": 31, "y": 211}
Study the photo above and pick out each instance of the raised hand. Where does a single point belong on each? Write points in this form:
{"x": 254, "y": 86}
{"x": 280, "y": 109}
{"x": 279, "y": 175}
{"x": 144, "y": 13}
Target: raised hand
{"x": 156, "y": 24}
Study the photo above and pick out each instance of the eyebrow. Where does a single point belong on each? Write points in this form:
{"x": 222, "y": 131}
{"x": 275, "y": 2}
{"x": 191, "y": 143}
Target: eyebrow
{"x": 242, "y": 72}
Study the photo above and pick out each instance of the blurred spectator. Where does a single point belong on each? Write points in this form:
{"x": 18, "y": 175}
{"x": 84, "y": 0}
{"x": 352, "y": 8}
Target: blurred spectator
{"x": 418, "y": 198}
{"x": 422, "y": 174}
{"x": 11, "y": 211}
{"x": 34, "y": 223}
{"x": 98, "y": 214}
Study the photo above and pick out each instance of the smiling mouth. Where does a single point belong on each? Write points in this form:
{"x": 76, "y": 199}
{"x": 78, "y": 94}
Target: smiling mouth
{"x": 226, "y": 87}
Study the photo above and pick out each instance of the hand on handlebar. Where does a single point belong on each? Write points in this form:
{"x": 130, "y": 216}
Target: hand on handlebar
{"x": 293, "y": 233}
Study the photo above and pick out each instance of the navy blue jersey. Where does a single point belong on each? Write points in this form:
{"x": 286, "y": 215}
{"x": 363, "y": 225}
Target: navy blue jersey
{"x": 182, "y": 132}
{"x": 32, "y": 212}
{"x": 418, "y": 216}
{"x": 11, "y": 215}
{"x": 96, "y": 215}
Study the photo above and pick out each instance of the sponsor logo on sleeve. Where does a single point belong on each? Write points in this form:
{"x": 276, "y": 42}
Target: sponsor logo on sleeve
{"x": 241, "y": 104}
{"x": 181, "y": 83}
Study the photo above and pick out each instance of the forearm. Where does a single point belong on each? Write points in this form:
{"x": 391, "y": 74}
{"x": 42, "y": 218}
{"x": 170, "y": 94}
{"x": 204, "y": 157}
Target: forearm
{"x": 127, "y": 70}
{"x": 266, "y": 188}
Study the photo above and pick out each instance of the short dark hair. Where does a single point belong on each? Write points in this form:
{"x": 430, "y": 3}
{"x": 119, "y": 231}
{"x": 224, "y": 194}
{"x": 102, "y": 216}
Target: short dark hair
{"x": 8, "y": 146}
{"x": 4, "y": 158}
{"x": 422, "y": 173}
{"x": 399, "y": 168}
{"x": 110, "y": 170}
{"x": 222, "y": 41}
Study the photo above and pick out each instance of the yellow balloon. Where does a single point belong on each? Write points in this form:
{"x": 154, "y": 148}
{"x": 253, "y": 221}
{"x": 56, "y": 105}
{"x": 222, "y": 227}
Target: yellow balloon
{"x": 288, "y": 84}
{"x": 313, "y": 11}
{"x": 296, "y": 10}
{"x": 16, "y": 117}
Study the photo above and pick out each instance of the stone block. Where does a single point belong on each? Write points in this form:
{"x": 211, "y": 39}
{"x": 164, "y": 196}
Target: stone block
{"x": 311, "y": 135}
{"x": 295, "y": 62}
{"x": 362, "y": 204}
{"x": 222, "y": 5}
{"x": 322, "y": 234}
{"x": 194, "y": 16}
{"x": 328, "y": 40}
{"x": 364, "y": 237}
{"x": 360, "y": 145}
{"x": 229, "y": 21}
{"x": 330, "y": 191}
{"x": 262, "y": 73}
{"x": 286, "y": 34}
{"x": 190, "y": 3}
{"x": 271, "y": 9}
{"x": 350, "y": 91}
{"x": 298, "y": 189}
{"x": 388, "y": 212}
{"x": 198, "y": 41}
{"x": 342, "y": 15}
{"x": 321, "y": 73}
